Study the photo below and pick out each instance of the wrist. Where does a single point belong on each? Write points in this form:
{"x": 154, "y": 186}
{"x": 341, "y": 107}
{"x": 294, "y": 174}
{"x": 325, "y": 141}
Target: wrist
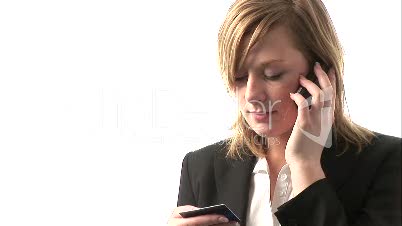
{"x": 307, "y": 169}
{"x": 303, "y": 174}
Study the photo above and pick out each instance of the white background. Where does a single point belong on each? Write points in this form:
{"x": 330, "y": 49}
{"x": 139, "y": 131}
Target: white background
{"x": 100, "y": 100}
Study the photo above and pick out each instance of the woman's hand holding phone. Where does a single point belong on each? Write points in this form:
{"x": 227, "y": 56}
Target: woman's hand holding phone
{"x": 205, "y": 220}
{"x": 311, "y": 130}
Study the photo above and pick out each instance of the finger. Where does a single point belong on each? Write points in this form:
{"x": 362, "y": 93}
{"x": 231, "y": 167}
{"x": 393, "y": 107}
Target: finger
{"x": 323, "y": 78}
{"x": 314, "y": 90}
{"x": 332, "y": 78}
{"x": 205, "y": 220}
{"x": 179, "y": 209}
{"x": 232, "y": 223}
{"x": 302, "y": 104}
{"x": 185, "y": 208}
{"x": 325, "y": 82}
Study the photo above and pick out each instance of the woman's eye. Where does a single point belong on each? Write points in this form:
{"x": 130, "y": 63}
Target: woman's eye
{"x": 239, "y": 79}
{"x": 273, "y": 77}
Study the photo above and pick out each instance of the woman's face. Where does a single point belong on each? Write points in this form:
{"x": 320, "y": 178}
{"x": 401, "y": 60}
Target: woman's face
{"x": 270, "y": 72}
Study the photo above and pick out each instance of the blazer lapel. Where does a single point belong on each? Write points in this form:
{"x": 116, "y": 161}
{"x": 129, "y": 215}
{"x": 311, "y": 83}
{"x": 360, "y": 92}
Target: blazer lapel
{"x": 338, "y": 165}
{"x": 233, "y": 182}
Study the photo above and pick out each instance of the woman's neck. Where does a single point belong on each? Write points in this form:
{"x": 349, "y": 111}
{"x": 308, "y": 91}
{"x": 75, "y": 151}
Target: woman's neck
{"x": 276, "y": 149}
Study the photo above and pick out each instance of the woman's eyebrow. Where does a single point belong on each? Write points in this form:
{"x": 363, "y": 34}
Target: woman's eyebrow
{"x": 269, "y": 62}
{"x": 263, "y": 64}
{"x": 259, "y": 65}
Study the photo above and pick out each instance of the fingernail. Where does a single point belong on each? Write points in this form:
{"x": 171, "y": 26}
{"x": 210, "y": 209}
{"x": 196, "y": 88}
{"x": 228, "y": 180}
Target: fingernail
{"x": 317, "y": 64}
{"x": 291, "y": 95}
{"x": 223, "y": 219}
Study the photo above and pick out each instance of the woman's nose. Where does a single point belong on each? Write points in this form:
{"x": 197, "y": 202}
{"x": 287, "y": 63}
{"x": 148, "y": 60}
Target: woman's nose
{"x": 255, "y": 90}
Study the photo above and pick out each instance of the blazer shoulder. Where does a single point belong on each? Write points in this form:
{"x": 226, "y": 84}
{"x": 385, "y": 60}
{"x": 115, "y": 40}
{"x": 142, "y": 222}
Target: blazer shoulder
{"x": 209, "y": 152}
{"x": 384, "y": 145}
{"x": 382, "y": 148}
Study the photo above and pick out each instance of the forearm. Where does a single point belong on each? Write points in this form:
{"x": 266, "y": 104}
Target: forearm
{"x": 304, "y": 174}
{"x": 317, "y": 205}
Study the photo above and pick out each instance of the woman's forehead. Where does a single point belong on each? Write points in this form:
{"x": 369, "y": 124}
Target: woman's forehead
{"x": 273, "y": 45}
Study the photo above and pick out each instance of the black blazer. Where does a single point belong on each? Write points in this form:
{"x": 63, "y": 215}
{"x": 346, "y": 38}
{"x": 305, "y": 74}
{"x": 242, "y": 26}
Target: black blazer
{"x": 362, "y": 189}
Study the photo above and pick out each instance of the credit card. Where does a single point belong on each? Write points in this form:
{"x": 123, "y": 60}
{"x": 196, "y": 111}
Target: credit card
{"x": 220, "y": 209}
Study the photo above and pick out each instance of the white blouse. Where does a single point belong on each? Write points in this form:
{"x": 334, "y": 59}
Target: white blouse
{"x": 260, "y": 209}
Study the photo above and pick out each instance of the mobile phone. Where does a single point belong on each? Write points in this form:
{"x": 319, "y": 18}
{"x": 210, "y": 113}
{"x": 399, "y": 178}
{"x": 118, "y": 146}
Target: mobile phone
{"x": 312, "y": 77}
{"x": 220, "y": 209}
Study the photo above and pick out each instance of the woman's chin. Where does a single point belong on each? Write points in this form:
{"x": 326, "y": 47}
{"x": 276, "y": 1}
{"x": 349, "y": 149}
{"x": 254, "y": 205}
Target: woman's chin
{"x": 265, "y": 131}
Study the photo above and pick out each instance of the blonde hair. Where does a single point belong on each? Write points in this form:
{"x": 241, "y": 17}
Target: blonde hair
{"x": 313, "y": 34}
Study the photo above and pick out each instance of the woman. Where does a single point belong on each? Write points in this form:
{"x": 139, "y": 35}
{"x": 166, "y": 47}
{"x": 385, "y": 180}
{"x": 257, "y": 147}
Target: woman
{"x": 293, "y": 159}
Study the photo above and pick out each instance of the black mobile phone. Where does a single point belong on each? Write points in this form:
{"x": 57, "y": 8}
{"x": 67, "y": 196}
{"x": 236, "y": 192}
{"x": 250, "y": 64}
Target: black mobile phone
{"x": 220, "y": 209}
{"x": 312, "y": 77}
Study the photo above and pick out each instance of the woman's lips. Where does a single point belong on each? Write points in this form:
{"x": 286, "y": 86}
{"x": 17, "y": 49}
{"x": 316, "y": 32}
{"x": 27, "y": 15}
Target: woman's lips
{"x": 260, "y": 116}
